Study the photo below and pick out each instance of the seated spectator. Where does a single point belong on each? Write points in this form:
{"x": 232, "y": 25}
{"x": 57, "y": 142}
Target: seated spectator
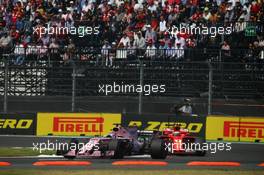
{"x": 150, "y": 34}
{"x": 45, "y": 39}
{"x": 69, "y": 52}
{"x": 197, "y": 16}
{"x": 152, "y": 6}
{"x": 53, "y": 46}
{"x": 167, "y": 39}
{"x": 245, "y": 15}
{"x": 179, "y": 40}
{"x": 124, "y": 40}
{"x": 162, "y": 50}
{"x": 170, "y": 52}
{"x": 255, "y": 8}
{"x": 179, "y": 51}
{"x": 207, "y": 14}
{"x": 214, "y": 18}
{"x": 162, "y": 25}
{"x": 121, "y": 51}
{"x": 41, "y": 50}
{"x": 261, "y": 54}
{"x": 249, "y": 56}
{"x": 139, "y": 42}
{"x": 19, "y": 54}
{"x": 105, "y": 52}
{"x": 54, "y": 50}
{"x": 138, "y": 6}
{"x": 190, "y": 42}
{"x": 229, "y": 15}
{"x": 5, "y": 42}
{"x": 131, "y": 51}
{"x": 2, "y": 22}
{"x": 151, "y": 51}
{"x": 113, "y": 53}
{"x": 226, "y": 51}
{"x": 261, "y": 42}
{"x": 31, "y": 52}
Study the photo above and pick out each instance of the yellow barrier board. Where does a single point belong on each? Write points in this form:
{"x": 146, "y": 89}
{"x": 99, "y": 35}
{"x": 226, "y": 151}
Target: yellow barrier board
{"x": 218, "y": 128}
{"x": 251, "y": 129}
{"x": 244, "y": 129}
{"x": 72, "y": 124}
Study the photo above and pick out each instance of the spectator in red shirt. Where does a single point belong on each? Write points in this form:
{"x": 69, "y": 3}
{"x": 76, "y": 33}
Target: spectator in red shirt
{"x": 255, "y": 7}
{"x": 193, "y": 6}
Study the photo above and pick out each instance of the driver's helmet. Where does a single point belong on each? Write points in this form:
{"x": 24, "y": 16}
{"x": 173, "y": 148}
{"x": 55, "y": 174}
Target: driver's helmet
{"x": 177, "y": 127}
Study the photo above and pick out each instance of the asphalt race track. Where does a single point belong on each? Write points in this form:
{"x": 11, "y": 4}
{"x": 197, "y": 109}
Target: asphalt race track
{"x": 247, "y": 155}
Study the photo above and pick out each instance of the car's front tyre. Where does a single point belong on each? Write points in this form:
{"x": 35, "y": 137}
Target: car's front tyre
{"x": 158, "y": 149}
{"x": 118, "y": 147}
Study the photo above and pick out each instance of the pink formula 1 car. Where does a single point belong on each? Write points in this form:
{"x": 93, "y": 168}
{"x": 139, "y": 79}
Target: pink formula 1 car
{"x": 117, "y": 144}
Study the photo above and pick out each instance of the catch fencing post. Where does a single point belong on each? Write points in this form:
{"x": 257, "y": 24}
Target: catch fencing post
{"x": 73, "y": 87}
{"x": 6, "y": 84}
{"x": 210, "y": 91}
{"x": 141, "y": 84}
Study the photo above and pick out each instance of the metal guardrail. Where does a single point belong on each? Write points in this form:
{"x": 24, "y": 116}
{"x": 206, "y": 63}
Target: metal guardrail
{"x": 101, "y": 56}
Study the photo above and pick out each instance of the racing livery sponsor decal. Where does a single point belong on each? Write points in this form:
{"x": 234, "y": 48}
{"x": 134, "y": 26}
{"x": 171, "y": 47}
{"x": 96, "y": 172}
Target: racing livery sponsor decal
{"x": 243, "y": 129}
{"x": 235, "y": 128}
{"x": 251, "y": 129}
{"x": 77, "y": 124}
{"x": 89, "y": 124}
{"x": 154, "y": 125}
{"x": 18, "y": 124}
{"x": 194, "y": 124}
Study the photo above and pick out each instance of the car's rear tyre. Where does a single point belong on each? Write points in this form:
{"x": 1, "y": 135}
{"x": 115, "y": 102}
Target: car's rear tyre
{"x": 158, "y": 149}
{"x": 201, "y": 152}
{"x": 118, "y": 147}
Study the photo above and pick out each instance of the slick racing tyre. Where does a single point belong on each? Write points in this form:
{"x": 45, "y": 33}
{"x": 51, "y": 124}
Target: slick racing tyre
{"x": 118, "y": 147}
{"x": 158, "y": 149}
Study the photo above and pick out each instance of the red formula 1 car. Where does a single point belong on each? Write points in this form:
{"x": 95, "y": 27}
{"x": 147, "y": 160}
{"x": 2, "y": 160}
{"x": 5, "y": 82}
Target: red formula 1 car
{"x": 122, "y": 141}
{"x": 181, "y": 141}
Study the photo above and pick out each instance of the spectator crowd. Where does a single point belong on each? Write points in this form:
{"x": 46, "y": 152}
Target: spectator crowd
{"x": 142, "y": 27}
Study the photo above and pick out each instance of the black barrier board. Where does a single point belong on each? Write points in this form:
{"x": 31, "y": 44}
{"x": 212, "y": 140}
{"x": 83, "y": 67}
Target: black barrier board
{"x": 17, "y": 124}
{"x": 195, "y": 124}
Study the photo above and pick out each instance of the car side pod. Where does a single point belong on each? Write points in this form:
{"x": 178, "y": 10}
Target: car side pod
{"x": 158, "y": 149}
